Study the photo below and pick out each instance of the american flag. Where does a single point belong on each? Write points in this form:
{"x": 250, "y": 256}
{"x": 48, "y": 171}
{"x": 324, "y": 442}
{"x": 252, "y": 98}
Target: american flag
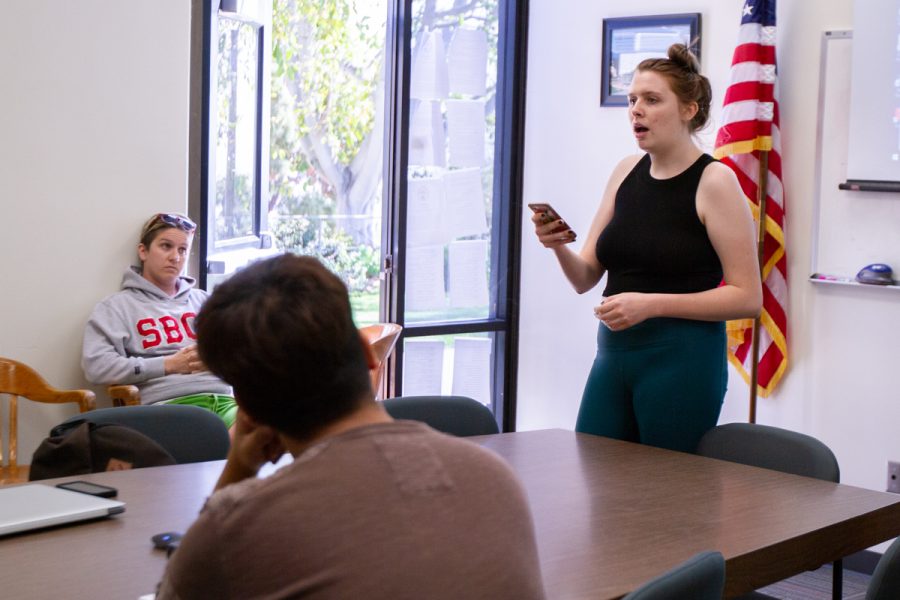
{"x": 750, "y": 126}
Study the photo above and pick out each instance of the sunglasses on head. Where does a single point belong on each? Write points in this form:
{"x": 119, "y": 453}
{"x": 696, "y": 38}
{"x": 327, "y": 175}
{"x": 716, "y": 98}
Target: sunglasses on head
{"x": 178, "y": 221}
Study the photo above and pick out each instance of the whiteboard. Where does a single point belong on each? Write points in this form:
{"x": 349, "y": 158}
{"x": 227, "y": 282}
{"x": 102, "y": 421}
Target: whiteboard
{"x": 874, "y": 155}
{"x": 851, "y": 229}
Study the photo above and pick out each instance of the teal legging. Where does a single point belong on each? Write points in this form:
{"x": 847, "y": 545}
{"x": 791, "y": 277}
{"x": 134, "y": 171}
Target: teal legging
{"x": 661, "y": 382}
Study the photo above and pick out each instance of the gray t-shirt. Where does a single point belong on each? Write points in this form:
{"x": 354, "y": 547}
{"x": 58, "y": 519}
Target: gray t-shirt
{"x": 393, "y": 510}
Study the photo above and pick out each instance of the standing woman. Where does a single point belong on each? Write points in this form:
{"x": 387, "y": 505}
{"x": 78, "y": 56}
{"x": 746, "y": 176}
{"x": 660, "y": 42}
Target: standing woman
{"x": 672, "y": 223}
{"x": 144, "y": 334}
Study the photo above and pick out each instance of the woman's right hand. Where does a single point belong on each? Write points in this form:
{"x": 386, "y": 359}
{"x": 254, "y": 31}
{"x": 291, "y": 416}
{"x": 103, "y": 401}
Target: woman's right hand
{"x": 552, "y": 234}
{"x": 185, "y": 361}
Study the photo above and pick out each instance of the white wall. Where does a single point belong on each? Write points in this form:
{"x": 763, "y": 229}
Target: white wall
{"x": 93, "y": 140}
{"x": 839, "y": 339}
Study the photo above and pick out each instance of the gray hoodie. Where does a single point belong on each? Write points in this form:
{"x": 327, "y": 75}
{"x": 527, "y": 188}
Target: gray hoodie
{"x": 130, "y": 334}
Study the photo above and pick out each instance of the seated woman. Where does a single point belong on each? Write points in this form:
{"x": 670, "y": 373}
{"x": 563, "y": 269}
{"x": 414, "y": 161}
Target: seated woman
{"x": 144, "y": 334}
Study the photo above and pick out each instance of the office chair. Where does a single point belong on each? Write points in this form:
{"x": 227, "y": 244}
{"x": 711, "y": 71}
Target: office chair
{"x": 189, "y": 433}
{"x": 780, "y": 450}
{"x": 18, "y": 379}
{"x": 701, "y": 577}
{"x": 885, "y": 582}
{"x": 456, "y": 415}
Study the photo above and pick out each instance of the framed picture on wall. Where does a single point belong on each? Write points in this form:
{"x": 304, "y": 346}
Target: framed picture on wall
{"x": 629, "y": 40}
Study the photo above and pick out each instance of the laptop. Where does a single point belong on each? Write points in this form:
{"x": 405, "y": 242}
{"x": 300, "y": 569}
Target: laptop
{"x": 33, "y": 506}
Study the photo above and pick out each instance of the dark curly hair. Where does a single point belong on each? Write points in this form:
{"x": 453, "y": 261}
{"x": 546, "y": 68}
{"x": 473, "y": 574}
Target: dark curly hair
{"x": 682, "y": 69}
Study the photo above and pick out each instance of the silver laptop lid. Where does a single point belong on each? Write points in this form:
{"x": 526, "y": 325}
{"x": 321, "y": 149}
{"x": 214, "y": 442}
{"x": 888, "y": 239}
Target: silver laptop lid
{"x": 33, "y": 506}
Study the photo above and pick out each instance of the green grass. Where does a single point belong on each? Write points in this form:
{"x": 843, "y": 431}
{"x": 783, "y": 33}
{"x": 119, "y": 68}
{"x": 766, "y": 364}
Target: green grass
{"x": 365, "y": 308}
{"x": 365, "y": 311}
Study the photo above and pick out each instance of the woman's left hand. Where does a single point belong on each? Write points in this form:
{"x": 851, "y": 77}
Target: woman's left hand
{"x": 624, "y": 310}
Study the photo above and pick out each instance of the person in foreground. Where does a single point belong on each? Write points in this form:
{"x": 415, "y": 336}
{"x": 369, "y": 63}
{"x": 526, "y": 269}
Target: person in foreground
{"x": 370, "y": 507}
{"x": 672, "y": 222}
{"x": 144, "y": 334}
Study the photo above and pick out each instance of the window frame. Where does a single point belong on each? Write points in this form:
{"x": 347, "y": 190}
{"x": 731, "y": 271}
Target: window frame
{"x": 260, "y": 238}
{"x": 506, "y": 215}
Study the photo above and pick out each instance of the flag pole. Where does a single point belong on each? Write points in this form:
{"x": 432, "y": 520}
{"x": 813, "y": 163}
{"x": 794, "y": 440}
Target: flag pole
{"x": 761, "y": 192}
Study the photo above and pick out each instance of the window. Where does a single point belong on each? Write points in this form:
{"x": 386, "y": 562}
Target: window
{"x": 327, "y": 131}
{"x": 236, "y": 144}
{"x": 377, "y": 135}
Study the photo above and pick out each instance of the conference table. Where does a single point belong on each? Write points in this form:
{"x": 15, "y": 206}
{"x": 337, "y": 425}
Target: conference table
{"x": 609, "y": 515}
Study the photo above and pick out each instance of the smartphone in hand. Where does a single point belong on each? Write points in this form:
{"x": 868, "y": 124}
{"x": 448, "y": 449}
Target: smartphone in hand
{"x": 550, "y": 215}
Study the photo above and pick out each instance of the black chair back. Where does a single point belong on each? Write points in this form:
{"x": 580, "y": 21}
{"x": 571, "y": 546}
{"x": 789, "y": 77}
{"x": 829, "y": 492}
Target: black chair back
{"x": 701, "y": 577}
{"x": 456, "y": 415}
{"x": 780, "y": 450}
{"x": 188, "y": 433}
{"x": 885, "y": 582}
{"x": 771, "y": 448}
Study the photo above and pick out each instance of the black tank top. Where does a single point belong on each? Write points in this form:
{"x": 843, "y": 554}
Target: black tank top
{"x": 655, "y": 241}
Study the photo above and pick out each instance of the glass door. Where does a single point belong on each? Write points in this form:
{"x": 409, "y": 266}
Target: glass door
{"x": 452, "y": 272}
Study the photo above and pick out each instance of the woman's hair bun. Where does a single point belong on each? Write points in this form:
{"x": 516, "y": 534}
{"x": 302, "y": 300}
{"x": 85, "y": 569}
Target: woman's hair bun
{"x": 684, "y": 58}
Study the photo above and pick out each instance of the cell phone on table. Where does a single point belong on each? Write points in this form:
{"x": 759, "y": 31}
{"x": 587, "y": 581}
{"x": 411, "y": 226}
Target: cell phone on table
{"x": 86, "y": 487}
{"x": 551, "y": 215}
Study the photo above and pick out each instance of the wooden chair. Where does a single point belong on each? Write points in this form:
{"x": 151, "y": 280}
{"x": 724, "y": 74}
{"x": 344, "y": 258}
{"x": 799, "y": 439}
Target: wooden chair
{"x": 382, "y": 337}
{"x": 124, "y": 395}
{"x": 17, "y": 379}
